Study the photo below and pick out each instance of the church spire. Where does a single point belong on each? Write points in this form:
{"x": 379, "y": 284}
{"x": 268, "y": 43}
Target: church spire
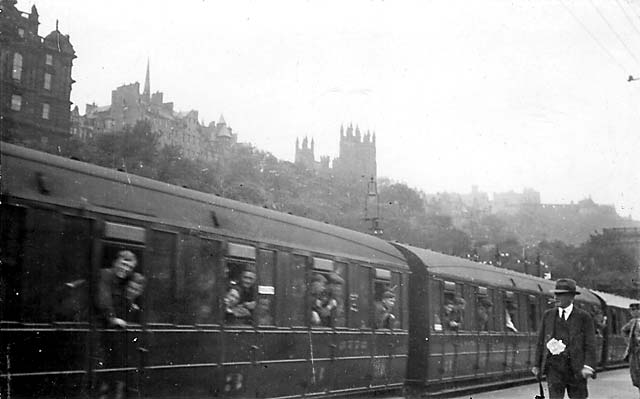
{"x": 146, "y": 94}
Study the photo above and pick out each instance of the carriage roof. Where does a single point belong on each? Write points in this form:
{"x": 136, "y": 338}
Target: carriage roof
{"x": 447, "y": 266}
{"x": 80, "y": 185}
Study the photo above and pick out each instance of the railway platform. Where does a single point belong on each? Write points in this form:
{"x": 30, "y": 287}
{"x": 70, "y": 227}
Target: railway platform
{"x": 613, "y": 384}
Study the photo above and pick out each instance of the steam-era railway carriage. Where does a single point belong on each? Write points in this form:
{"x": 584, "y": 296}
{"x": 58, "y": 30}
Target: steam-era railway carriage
{"x": 64, "y": 221}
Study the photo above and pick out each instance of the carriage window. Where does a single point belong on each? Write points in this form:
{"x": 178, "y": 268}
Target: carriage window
{"x": 296, "y": 307}
{"x": 239, "y": 301}
{"x": 42, "y": 256}
{"x": 404, "y": 301}
{"x": 614, "y": 321}
{"x": 493, "y": 323}
{"x": 359, "y": 297}
{"x": 266, "y": 288}
{"x": 453, "y": 308}
{"x": 72, "y": 301}
{"x": 160, "y": 292}
{"x": 484, "y": 309}
{"x": 435, "y": 298}
{"x": 533, "y": 313}
{"x": 325, "y": 294}
{"x": 120, "y": 284}
{"x": 396, "y": 287}
{"x": 200, "y": 280}
{"x": 12, "y": 229}
{"x": 599, "y": 319}
{"x": 384, "y": 295}
{"x": 511, "y": 323}
{"x": 338, "y": 289}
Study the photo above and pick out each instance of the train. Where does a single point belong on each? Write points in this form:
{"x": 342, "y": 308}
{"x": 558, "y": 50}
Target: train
{"x": 64, "y": 221}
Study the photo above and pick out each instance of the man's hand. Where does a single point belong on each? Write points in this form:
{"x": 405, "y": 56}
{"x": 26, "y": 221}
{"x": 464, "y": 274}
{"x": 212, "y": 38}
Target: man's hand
{"x": 586, "y": 372}
{"x": 117, "y": 322}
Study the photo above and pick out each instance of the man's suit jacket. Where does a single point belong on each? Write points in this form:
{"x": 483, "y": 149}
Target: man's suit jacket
{"x": 582, "y": 342}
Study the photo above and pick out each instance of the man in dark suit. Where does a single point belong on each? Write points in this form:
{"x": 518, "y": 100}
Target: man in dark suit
{"x": 566, "y": 346}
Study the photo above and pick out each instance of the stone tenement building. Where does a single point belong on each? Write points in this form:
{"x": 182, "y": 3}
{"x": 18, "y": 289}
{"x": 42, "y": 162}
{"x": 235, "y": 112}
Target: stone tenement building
{"x": 356, "y": 160}
{"x": 182, "y": 129}
{"x": 35, "y": 79}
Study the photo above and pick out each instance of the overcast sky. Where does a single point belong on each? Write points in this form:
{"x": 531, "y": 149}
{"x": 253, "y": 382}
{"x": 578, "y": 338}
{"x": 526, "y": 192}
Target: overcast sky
{"x": 501, "y": 94}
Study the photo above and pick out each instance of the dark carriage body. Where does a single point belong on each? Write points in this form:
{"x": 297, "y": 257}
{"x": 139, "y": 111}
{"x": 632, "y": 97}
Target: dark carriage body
{"x": 498, "y": 350}
{"x": 61, "y": 219}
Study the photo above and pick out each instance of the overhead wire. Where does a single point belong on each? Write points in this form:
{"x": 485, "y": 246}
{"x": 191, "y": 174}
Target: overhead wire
{"x": 628, "y": 17}
{"x": 615, "y": 33}
{"x": 593, "y": 37}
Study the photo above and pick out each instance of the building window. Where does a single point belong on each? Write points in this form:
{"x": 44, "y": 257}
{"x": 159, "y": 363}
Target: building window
{"x": 48, "y": 59}
{"x": 45, "y": 111}
{"x": 47, "y": 81}
{"x": 16, "y": 102}
{"x": 21, "y": 32}
{"x": 16, "y": 73}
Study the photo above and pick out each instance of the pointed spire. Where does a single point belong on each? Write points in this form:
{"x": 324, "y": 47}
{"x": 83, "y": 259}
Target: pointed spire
{"x": 221, "y": 121}
{"x": 146, "y": 94}
{"x": 312, "y": 145}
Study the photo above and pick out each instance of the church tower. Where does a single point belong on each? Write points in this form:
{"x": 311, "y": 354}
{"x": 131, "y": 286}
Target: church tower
{"x": 357, "y": 159}
{"x": 305, "y": 154}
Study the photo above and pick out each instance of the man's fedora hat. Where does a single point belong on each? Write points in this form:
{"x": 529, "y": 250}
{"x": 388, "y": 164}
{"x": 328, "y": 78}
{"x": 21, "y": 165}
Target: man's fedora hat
{"x": 634, "y": 305}
{"x": 565, "y": 286}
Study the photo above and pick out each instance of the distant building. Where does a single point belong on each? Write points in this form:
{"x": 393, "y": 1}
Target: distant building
{"x": 305, "y": 157}
{"x": 356, "y": 160}
{"x": 35, "y": 83}
{"x": 181, "y": 129}
{"x": 476, "y": 200}
{"x": 511, "y": 202}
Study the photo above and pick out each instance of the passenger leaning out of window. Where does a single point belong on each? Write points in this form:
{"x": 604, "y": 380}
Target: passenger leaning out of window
{"x": 384, "y": 309}
{"x": 452, "y": 313}
{"x": 322, "y": 304}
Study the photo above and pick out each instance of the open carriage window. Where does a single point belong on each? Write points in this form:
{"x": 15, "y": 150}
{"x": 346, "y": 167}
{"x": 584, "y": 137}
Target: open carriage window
{"x": 326, "y": 294}
{"x": 239, "y": 301}
{"x": 385, "y": 299}
{"x": 453, "y": 308}
{"x": 511, "y": 319}
{"x": 121, "y": 283}
{"x": 484, "y": 309}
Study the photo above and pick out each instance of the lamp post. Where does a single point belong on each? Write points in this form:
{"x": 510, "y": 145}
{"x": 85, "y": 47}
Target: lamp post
{"x": 372, "y": 208}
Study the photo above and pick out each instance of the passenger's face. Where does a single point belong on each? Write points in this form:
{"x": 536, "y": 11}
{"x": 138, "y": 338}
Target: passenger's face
{"x": 248, "y": 278}
{"x": 564, "y": 300}
{"x": 635, "y": 313}
{"x": 124, "y": 264}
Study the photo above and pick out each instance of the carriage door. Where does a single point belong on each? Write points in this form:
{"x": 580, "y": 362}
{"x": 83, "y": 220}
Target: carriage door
{"x": 118, "y": 292}
{"x": 241, "y": 350}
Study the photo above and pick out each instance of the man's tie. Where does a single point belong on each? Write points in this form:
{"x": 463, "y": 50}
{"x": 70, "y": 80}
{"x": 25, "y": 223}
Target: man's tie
{"x": 562, "y": 316}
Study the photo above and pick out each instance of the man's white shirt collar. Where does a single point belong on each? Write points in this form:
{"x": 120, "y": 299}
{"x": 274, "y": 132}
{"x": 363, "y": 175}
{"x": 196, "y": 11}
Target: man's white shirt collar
{"x": 567, "y": 311}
